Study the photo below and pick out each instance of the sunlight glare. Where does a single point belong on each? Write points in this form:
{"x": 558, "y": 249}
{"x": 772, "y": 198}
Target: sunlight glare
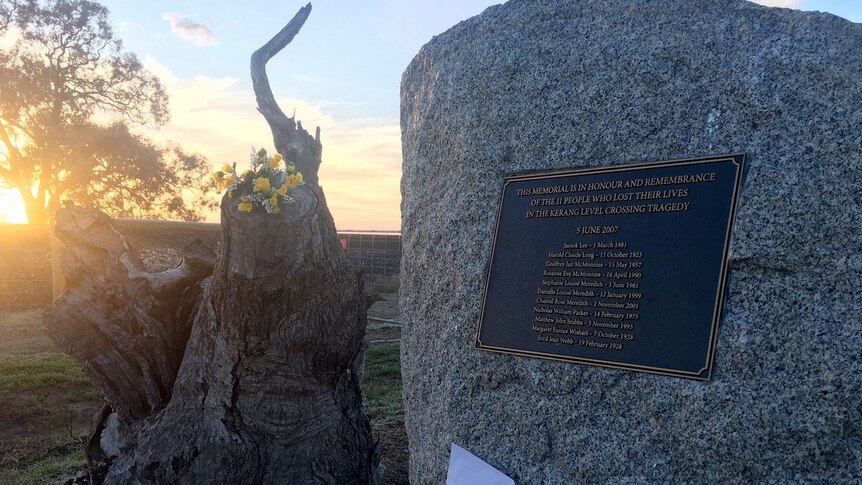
{"x": 12, "y": 207}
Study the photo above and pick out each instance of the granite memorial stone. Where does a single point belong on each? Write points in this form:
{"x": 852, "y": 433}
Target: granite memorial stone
{"x": 545, "y": 85}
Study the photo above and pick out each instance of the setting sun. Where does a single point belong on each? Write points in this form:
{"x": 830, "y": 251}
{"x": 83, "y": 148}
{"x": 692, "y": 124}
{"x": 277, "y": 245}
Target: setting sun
{"x": 11, "y": 207}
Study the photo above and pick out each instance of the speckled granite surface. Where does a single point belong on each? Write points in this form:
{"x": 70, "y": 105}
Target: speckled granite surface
{"x": 538, "y": 85}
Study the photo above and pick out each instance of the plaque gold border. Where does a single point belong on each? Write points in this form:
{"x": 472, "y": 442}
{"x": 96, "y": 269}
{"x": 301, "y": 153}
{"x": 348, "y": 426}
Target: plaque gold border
{"x": 705, "y": 373}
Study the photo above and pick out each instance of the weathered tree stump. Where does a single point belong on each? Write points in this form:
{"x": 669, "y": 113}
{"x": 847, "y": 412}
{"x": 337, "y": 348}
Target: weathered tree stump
{"x": 238, "y": 368}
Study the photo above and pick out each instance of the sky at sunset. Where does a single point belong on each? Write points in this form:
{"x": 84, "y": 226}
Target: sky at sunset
{"x": 342, "y": 73}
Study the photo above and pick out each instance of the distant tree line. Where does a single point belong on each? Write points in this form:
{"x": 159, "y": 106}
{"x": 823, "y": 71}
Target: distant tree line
{"x": 61, "y": 68}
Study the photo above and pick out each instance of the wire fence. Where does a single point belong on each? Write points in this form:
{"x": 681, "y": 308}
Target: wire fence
{"x": 26, "y": 258}
{"x": 378, "y": 255}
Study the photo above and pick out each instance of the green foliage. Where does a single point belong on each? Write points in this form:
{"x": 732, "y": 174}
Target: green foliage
{"x": 381, "y": 384}
{"x": 40, "y": 371}
{"x": 63, "y": 70}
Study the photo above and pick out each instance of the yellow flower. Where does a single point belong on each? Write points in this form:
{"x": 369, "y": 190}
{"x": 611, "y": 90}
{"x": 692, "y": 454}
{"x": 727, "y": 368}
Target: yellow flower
{"x": 291, "y": 168}
{"x": 229, "y": 179}
{"x": 217, "y": 178}
{"x": 298, "y": 177}
{"x": 275, "y": 160}
{"x": 227, "y": 168}
{"x": 245, "y": 206}
{"x": 274, "y": 200}
{"x": 261, "y": 184}
{"x": 282, "y": 191}
{"x": 291, "y": 181}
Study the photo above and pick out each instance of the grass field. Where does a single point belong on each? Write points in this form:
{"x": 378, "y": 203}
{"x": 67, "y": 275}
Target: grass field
{"x": 46, "y": 405}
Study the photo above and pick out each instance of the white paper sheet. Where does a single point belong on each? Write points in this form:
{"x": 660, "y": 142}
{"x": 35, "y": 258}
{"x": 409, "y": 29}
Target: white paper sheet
{"x": 466, "y": 468}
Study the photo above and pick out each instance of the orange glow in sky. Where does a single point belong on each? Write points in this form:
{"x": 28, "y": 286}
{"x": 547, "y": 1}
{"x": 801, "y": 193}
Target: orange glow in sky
{"x": 361, "y": 170}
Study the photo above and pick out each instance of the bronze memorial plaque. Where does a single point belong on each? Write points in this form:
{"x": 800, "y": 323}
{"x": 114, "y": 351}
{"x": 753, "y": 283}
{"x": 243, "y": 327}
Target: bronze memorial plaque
{"x": 620, "y": 266}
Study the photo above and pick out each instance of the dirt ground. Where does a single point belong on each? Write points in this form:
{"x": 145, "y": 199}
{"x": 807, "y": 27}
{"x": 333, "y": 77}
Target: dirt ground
{"x": 379, "y": 332}
{"x": 387, "y": 307}
{"x": 394, "y": 455}
{"x": 46, "y": 403}
{"x": 23, "y": 333}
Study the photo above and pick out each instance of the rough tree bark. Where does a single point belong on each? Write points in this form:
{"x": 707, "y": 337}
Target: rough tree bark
{"x": 248, "y": 375}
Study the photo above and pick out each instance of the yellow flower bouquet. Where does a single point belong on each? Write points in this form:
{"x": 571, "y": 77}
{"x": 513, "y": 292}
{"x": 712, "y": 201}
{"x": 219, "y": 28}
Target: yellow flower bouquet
{"x": 266, "y": 186}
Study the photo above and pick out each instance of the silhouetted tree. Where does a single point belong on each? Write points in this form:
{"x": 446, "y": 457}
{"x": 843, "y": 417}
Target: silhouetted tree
{"x": 62, "y": 68}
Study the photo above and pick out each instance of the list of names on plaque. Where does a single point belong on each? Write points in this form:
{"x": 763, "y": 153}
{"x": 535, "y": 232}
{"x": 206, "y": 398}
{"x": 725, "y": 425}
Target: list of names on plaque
{"x": 590, "y": 295}
{"x": 622, "y": 266}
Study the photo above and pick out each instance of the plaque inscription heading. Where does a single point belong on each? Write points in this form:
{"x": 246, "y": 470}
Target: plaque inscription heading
{"x": 621, "y": 266}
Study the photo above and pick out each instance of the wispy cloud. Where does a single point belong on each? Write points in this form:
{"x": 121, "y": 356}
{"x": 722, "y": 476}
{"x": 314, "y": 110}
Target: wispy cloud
{"x": 781, "y": 3}
{"x": 194, "y": 32}
{"x": 361, "y": 171}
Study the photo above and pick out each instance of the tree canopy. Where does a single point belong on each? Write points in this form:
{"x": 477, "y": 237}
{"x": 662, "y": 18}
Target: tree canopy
{"x": 70, "y": 98}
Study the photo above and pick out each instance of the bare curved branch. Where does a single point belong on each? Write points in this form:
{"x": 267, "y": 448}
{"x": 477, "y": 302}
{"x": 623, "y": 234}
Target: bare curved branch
{"x": 266, "y": 103}
{"x": 291, "y": 140}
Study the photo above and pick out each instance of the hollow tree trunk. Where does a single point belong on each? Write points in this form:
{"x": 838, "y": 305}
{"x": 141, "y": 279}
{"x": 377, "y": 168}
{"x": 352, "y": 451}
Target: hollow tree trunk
{"x": 250, "y": 375}
{"x": 269, "y": 381}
